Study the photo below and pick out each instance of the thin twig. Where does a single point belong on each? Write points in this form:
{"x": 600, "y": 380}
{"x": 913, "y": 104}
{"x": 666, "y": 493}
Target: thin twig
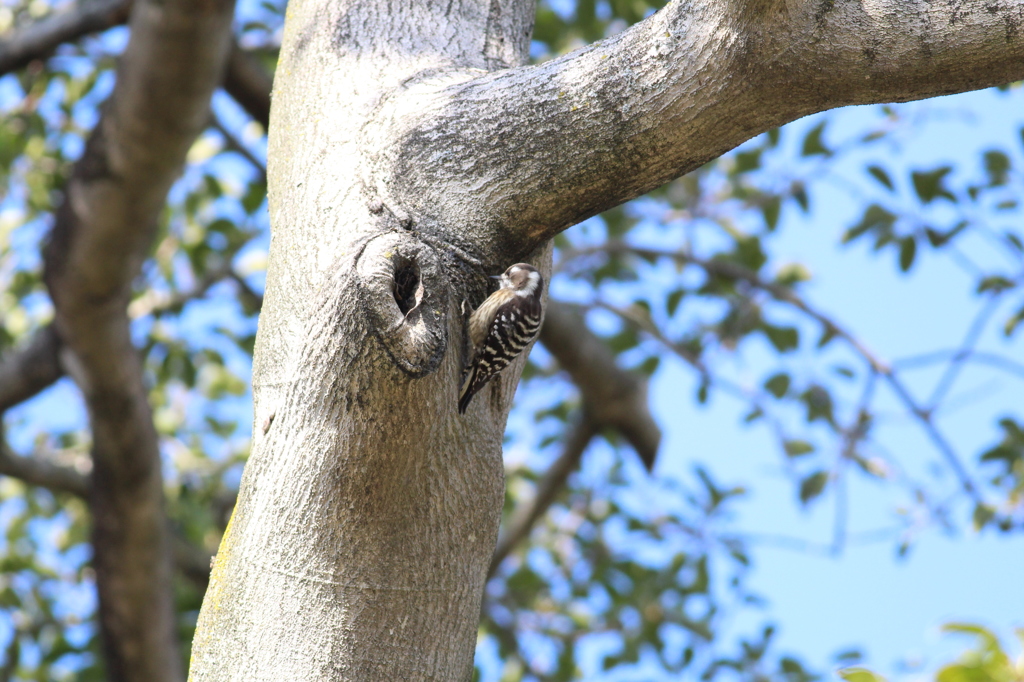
{"x": 956, "y": 363}
{"x": 810, "y": 547}
{"x": 979, "y": 357}
{"x": 646, "y": 325}
{"x": 156, "y": 303}
{"x": 785, "y": 294}
{"x": 852, "y": 435}
{"x": 232, "y": 143}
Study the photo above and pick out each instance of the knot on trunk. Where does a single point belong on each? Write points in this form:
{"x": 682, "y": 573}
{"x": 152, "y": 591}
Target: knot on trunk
{"x": 405, "y": 298}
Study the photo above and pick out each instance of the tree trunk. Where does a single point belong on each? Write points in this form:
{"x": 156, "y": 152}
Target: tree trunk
{"x": 409, "y": 159}
{"x": 103, "y": 231}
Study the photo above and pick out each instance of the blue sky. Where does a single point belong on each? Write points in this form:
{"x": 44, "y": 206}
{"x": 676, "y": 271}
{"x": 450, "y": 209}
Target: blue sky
{"x": 865, "y": 597}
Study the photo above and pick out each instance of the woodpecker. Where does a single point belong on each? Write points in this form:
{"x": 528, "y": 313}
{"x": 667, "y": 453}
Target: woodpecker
{"x": 502, "y": 327}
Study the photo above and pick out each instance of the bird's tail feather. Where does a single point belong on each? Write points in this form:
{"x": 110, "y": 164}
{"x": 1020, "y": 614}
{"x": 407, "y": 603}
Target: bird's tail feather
{"x": 466, "y": 394}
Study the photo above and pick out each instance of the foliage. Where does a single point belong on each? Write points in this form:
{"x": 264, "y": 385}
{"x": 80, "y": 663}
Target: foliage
{"x": 622, "y": 576}
{"x": 988, "y": 661}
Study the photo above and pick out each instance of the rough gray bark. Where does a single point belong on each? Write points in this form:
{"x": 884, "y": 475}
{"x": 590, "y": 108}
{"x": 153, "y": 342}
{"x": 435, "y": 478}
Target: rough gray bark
{"x": 103, "y": 231}
{"x": 410, "y": 156}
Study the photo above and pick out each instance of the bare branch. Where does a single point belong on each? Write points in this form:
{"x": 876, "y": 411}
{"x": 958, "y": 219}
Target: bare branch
{"x": 856, "y": 432}
{"x": 809, "y": 547}
{"x": 548, "y": 488}
{"x": 38, "y": 471}
{"x": 156, "y": 303}
{"x": 39, "y": 39}
{"x": 234, "y": 144}
{"x": 192, "y": 561}
{"x": 31, "y": 369}
{"x": 979, "y": 357}
{"x": 956, "y": 362}
{"x": 249, "y": 84}
{"x": 103, "y": 231}
{"x": 787, "y": 295}
{"x": 613, "y": 397}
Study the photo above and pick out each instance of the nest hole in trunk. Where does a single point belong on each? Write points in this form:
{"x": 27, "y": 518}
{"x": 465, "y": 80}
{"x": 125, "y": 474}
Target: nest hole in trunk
{"x": 407, "y": 289}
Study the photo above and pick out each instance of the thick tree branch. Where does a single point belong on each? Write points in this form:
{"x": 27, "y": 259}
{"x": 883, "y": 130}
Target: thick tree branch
{"x": 611, "y": 121}
{"x": 614, "y": 398}
{"x": 39, "y": 39}
{"x": 192, "y": 561}
{"x": 29, "y": 370}
{"x": 39, "y": 472}
{"x": 103, "y": 231}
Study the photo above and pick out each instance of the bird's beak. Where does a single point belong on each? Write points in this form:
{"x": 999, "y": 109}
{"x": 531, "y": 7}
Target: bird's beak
{"x": 495, "y": 276}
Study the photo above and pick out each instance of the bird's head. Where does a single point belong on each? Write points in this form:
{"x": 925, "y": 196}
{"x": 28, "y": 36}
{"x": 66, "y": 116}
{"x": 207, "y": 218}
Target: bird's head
{"x": 522, "y": 278}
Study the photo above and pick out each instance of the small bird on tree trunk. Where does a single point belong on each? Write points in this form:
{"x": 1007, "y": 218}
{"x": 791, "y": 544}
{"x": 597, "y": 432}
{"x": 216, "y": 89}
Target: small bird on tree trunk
{"x": 502, "y": 327}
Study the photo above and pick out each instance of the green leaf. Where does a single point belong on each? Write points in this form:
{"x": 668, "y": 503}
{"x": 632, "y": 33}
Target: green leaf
{"x": 827, "y": 334}
{"x": 799, "y": 192}
{"x": 997, "y": 165}
{"x": 624, "y": 340}
{"x": 995, "y": 283}
{"x": 987, "y": 661}
{"x": 672, "y": 301}
{"x": 792, "y": 273}
{"x": 784, "y": 339}
{"x": 939, "y": 239}
{"x": 813, "y": 145}
{"x": 813, "y": 486}
{"x": 848, "y": 656}
{"x": 748, "y": 161}
{"x": 929, "y": 184}
{"x": 778, "y": 384}
{"x": 819, "y": 404}
{"x": 908, "y": 249}
{"x": 875, "y": 219}
{"x": 797, "y": 448}
{"x": 771, "y": 209}
{"x": 1014, "y": 321}
{"x": 254, "y": 196}
{"x": 878, "y": 173}
{"x": 649, "y": 366}
{"x": 858, "y": 674}
{"x": 843, "y": 371}
{"x": 983, "y": 513}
